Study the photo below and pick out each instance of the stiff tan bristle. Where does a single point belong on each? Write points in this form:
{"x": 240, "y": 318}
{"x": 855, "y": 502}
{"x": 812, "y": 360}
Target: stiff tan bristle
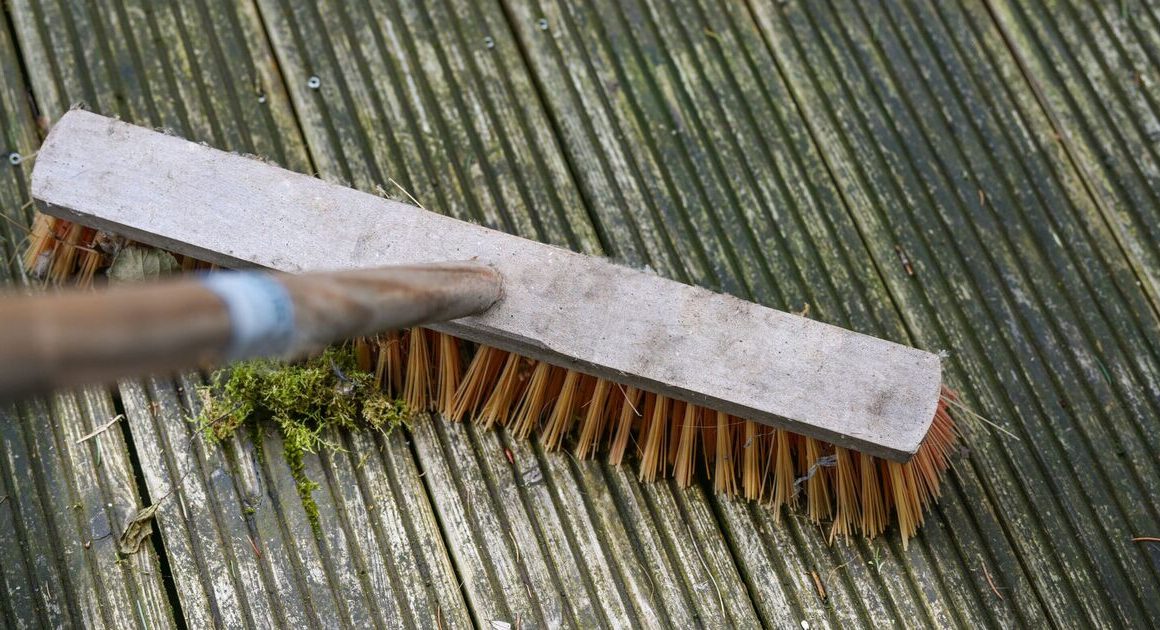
{"x": 684, "y": 464}
{"x": 449, "y": 369}
{"x": 40, "y": 245}
{"x": 535, "y": 398}
{"x": 857, "y": 493}
{"x": 417, "y": 381}
{"x": 724, "y": 474}
{"x": 59, "y": 252}
{"x": 676, "y": 420}
{"x": 363, "y": 354}
{"x": 505, "y": 393}
{"x": 563, "y": 412}
{"x": 818, "y": 483}
{"x": 783, "y": 476}
{"x": 476, "y": 383}
{"x": 846, "y": 491}
{"x": 595, "y": 419}
{"x": 389, "y": 364}
{"x": 752, "y": 447}
{"x": 65, "y": 258}
{"x": 873, "y": 506}
{"x": 90, "y": 262}
{"x": 626, "y": 421}
{"x": 652, "y": 456}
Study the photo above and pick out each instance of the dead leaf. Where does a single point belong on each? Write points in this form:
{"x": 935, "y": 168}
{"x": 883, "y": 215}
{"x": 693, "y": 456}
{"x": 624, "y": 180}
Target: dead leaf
{"x": 137, "y": 530}
{"x": 136, "y": 263}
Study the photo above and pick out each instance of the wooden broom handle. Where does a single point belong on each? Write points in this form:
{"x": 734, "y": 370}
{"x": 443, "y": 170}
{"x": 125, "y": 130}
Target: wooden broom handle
{"x": 61, "y": 340}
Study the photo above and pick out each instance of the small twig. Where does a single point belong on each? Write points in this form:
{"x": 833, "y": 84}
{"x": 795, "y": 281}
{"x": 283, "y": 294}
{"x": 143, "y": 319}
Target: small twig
{"x": 18, "y": 252}
{"x": 905, "y": 260}
{"x": 635, "y": 411}
{"x": 405, "y": 192}
{"x": 830, "y": 574}
{"x": 990, "y": 582}
{"x": 705, "y": 565}
{"x": 818, "y": 585}
{"x": 19, "y": 225}
{"x": 965, "y": 409}
{"x": 175, "y": 486}
{"x": 60, "y": 240}
{"x": 101, "y": 429}
{"x": 515, "y": 545}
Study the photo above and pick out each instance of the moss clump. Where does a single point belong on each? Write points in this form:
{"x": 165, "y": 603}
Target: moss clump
{"x": 303, "y": 400}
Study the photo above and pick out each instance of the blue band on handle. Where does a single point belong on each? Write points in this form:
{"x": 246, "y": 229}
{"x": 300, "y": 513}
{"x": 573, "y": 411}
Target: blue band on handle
{"x": 261, "y": 313}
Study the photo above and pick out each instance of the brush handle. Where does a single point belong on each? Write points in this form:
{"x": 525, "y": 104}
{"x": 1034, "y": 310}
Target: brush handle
{"x": 74, "y": 338}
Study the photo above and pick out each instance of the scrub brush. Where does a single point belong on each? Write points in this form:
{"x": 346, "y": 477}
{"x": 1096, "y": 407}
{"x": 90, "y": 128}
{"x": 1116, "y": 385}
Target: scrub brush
{"x": 578, "y": 352}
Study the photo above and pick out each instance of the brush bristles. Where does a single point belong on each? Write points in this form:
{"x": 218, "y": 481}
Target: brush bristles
{"x": 389, "y": 364}
{"x": 652, "y": 451}
{"x": 543, "y": 385}
{"x": 724, "y": 477}
{"x": 595, "y": 419}
{"x": 417, "y": 383}
{"x": 60, "y": 251}
{"x": 626, "y": 421}
{"x": 504, "y": 394}
{"x": 476, "y": 382}
{"x": 854, "y": 492}
{"x": 669, "y": 438}
{"x": 684, "y": 458}
{"x": 847, "y": 515}
{"x": 563, "y": 412}
{"x": 450, "y": 370}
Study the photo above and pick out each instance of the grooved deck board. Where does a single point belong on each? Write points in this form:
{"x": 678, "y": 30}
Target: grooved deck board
{"x": 59, "y": 498}
{"x": 1093, "y": 68}
{"x": 783, "y": 152}
{"x": 1046, "y": 331}
{"x": 237, "y": 539}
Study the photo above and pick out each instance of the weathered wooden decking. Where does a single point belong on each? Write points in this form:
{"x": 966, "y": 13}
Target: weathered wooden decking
{"x": 979, "y": 178}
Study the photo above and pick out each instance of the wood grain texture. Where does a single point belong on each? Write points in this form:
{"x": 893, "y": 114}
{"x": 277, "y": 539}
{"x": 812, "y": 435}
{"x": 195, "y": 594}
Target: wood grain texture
{"x": 204, "y": 69}
{"x": 63, "y": 502}
{"x": 1092, "y": 69}
{"x": 933, "y": 131}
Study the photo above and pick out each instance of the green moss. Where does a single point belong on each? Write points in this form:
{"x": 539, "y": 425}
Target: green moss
{"x": 303, "y": 401}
